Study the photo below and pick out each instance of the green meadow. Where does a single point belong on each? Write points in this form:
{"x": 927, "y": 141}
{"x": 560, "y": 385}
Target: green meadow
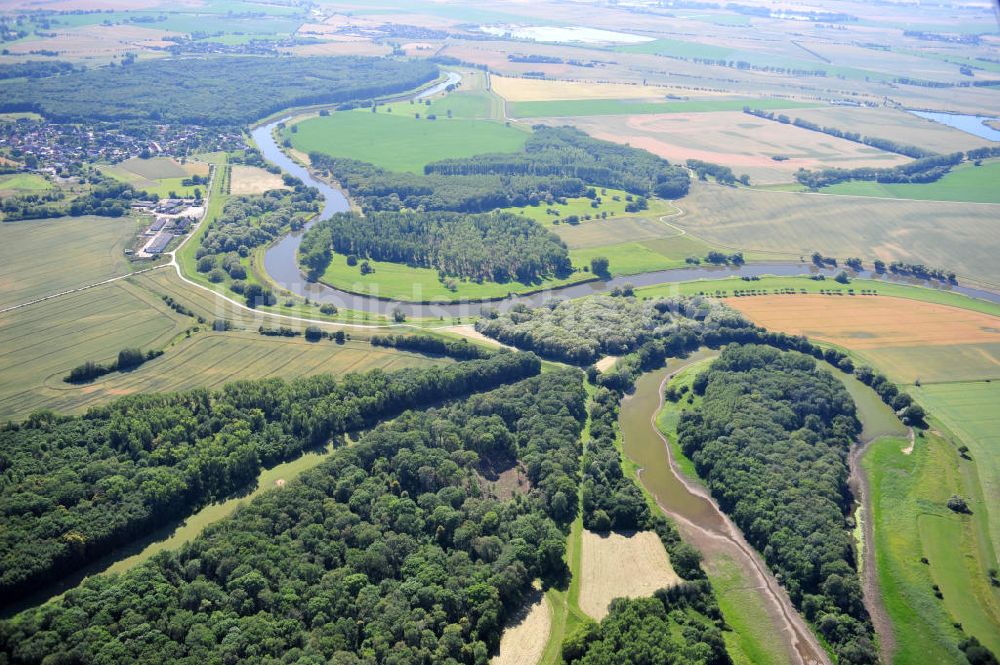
{"x": 969, "y": 411}
{"x": 974, "y": 184}
{"x": 397, "y": 141}
{"x": 402, "y": 282}
{"x": 911, "y": 522}
{"x": 23, "y": 182}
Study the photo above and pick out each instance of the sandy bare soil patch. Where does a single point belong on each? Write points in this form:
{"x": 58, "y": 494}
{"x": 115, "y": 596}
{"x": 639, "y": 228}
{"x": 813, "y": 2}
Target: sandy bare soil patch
{"x": 526, "y": 634}
{"x": 470, "y": 332}
{"x": 740, "y": 141}
{"x": 253, "y": 180}
{"x": 606, "y": 363}
{"x": 528, "y": 90}
{"x": 615, "y": 565}
{"x": 863, "y": 322}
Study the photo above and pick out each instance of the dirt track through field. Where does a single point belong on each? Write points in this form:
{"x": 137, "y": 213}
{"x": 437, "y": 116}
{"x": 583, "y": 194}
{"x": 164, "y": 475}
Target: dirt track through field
{"x": 714, "y": 534}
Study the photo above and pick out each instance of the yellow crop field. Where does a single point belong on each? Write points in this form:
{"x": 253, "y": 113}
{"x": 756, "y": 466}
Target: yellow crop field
{"x": 515, "y": 89}
{"x": 615, "y": 565}
{"x": 907, "y": 339}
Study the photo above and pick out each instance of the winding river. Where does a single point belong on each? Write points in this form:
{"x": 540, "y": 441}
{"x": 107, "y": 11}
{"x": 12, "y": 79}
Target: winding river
{"x": 281, "y": 259}
{"x": 701, "y": 522}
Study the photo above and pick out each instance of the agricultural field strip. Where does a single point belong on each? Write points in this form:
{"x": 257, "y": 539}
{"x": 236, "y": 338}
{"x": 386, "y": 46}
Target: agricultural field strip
{"x": 88, "y": 308}
{"x": 78, "y": 289}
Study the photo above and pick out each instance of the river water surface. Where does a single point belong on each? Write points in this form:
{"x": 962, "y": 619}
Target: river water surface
{"x": 281, "y": 258}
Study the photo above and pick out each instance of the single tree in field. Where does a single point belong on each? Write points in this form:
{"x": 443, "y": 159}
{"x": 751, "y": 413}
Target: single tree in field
{"x": 599, "y": 266}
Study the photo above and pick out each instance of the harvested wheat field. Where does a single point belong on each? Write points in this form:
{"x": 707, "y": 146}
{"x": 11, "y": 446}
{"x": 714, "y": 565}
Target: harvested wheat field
{"x": 868, "y": 323}
{"x": 542, "y": 90}
{"x": 907, "y": 339}
{"x": 253, "y": 180}
{"x": 615, "y": 565}
{"x": 526, "y": 634}
{"x": 741, "y": 141}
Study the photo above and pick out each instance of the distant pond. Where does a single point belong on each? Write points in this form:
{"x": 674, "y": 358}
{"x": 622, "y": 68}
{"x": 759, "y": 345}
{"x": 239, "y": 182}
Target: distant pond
{"x": 970, "y": 124}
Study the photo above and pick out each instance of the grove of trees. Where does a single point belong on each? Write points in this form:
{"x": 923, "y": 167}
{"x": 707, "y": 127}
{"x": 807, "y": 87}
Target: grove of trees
{"x": 496, "y": 247}
{"x": 569, "y": 152}
{"x": 771, "y": 438}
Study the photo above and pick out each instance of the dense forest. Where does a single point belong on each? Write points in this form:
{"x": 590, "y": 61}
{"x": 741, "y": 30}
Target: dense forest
{"x": 570, "y": 153}
{"x": 495, "y": 247}
{"x": 211, "y": 91}
{"x": 74, "y": 487}
{"x": 677, "y": 626}
{"x": 581, "y": 331}
{"x": 376, "y": 189}
{"x": 35, "y": 69}
{"x": 610, "y": 500}
{"x": 388, "y": 552}
{"x": 771, "y": 438}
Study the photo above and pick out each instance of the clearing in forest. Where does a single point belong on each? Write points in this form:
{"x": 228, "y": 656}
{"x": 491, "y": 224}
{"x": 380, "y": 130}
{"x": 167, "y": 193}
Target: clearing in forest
{"x": 616, "y": 565}
{"x": 253, "y": 180}
{"x": 526, "y": 634}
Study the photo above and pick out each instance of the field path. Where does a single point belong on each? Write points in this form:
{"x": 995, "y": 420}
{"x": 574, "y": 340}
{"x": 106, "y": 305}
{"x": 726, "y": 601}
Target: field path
{"x": 78, "y": 289}
{"x": 728, "y": 541}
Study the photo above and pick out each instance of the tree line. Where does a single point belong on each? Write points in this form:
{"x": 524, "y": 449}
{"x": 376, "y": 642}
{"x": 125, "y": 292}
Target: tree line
{"x": 388, "y": 551}
{"x": 924, "y": 170}
{"x": 127, "y": 359}
{"x": 856, "y": 137}
{"x": 74, "y": 487}
{"x": 569, "y": 152}
{"x": 459, "y": 349}
{"x": 771, "y": 437}
{"x": 213, "y": 91}
{"x": 105, "y": 198}
{"x": 495, "y": 247}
